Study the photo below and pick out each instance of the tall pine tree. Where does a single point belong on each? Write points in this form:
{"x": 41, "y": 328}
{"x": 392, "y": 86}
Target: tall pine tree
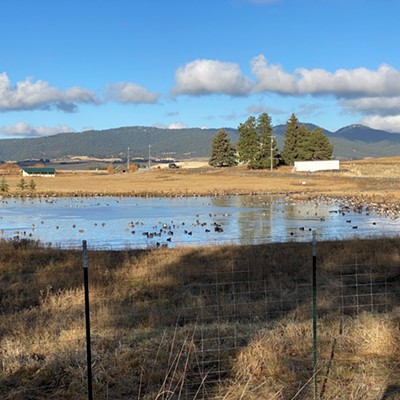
{"x": 222, "y": 151}
{"x": 292, "y": 141}
{"x": 319, "y": 147}
{"x": 256, "y": 145}
{"x": 247, "y": 142}
{"x": 302, "y": 144}
{"x": 266, "y": 145}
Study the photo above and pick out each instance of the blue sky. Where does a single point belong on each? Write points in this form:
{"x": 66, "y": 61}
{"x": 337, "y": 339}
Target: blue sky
{"x": 77, "y": 65}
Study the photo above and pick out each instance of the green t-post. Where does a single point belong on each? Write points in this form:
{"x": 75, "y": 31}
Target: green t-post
{"x": 314, "y": 310}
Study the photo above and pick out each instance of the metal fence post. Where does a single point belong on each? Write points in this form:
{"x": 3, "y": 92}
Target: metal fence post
{"x": 314, "y": 311}
{"x": 87, "y": 318}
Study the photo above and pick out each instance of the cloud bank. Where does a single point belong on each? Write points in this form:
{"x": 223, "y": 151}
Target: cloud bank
{"x": 26, "y": 130}
{"x": 126, "y": 92}
{"x": 31, "y": 95}
{"x": 372, "y": 95}
{"x": 385, "y": 81}
{"x": 40, "y": 95}
{"x": 362, "y": 91}
{"x": 202, "y": 77}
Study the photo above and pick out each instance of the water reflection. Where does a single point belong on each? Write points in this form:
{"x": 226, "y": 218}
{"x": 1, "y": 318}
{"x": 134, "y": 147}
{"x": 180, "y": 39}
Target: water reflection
{"x": 121, "y": 222}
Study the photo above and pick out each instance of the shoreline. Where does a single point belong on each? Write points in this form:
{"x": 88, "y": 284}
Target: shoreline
{"x": 388, "y": 207}
{"x": 371, "y": 183}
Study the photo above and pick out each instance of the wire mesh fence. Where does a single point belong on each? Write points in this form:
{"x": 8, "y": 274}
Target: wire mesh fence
{"x": 177, "y": 332}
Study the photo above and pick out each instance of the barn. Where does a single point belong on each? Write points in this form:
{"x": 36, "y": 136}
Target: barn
{"x": 39, "y": 171}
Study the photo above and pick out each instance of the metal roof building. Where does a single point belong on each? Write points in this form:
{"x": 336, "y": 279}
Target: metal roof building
{"x": 37, "y": 171}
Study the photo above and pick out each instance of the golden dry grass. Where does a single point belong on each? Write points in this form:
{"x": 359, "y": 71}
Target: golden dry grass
{"x": 377, "y": 179}
{"x": 150, "y": 308}
{"x": 145, "y": 304}
{"x": 277, "y": 363}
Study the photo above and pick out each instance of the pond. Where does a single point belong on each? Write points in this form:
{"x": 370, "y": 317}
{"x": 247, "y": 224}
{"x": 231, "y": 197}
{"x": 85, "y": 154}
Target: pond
{"x": 130, "y": 222}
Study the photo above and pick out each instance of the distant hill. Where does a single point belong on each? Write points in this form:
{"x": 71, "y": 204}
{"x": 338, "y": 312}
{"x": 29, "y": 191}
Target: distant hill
{"x": 363, "y": 133}
{"x": 165, "y": 143}
{"x": 355, "y": 141}
{"x": 359, "y": 141}
{"x": 350, "y": 142}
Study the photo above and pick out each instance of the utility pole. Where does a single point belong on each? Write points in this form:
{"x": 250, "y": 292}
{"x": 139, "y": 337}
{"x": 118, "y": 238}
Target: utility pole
{"x": 127, "y": 162}
{"x": 149, "y": 156}
{"x": 272, "y": 152}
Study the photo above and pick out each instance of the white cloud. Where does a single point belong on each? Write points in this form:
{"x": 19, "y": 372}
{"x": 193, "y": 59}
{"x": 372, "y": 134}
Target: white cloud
{"x": 31, "y": 95}
{"x": 26, "y": 130}
{"x": 173, "y": 125}
{"x": 126, "y": 92}
{"x": 385, "y": 81}
{"x": 342, "y": 83}
{"x": 388, "y": 123}
{"x": 177, "y": 125}
{"x": 261, "y": 108}
{"x": 376, "y": 105}
{"x": 201, "y": 77}
{"x": 373, "y": 93}
{"x": 271, "y": 78}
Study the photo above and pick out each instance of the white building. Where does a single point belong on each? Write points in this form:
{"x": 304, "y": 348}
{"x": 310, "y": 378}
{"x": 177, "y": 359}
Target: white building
{"x": 311, "y": 166}
{"x": 39, "y": 171}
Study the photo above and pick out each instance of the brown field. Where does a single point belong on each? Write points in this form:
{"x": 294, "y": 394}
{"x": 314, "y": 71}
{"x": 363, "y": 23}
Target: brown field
{"x": 162, "y": 323}
{"x": 156, "y": 330}
{"x": 377, "y": 179}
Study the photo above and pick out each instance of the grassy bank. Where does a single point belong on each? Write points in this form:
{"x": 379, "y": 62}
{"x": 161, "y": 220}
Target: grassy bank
{"x": 231, "y": 322}
{"x": 375, "y": 179}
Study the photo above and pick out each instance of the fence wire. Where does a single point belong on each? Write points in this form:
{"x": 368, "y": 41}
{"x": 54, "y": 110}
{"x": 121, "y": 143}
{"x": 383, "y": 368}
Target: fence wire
{"x": 201, "y": 329}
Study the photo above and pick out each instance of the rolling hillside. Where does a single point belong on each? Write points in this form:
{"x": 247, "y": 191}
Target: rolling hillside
{"x": 351, "y": 142}
{"x": 355, "y": 141}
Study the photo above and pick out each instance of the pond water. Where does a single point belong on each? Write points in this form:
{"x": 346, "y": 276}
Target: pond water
{"x": 129, "y": 222}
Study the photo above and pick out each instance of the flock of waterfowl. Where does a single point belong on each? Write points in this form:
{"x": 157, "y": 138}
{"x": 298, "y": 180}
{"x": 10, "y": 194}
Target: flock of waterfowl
{"x": 166, "y": 231}
{"x": 201, "y": 228}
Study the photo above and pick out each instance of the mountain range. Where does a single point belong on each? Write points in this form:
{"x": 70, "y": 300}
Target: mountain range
{"x": 350, "y": 142}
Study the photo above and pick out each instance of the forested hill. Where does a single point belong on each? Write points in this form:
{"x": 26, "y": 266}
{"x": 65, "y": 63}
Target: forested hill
{"x": 165, "y": 143}
{"x": 354, "y": 141}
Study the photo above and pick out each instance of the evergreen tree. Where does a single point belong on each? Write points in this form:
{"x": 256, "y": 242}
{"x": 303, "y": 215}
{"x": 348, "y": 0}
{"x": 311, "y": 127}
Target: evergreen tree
{"x": 247, "y": 142}
{"x": 222, "y": 151}
{"x": 4, "y": 185}
{"x": 32, "y": 185}
{"x": 265, "y": 144}
{"x": 319, "y": 146}
{"x": 255, "y": 142}
{"x": 292, "y": 141}
{"x": 22, "y": 185}
{"x": 302, "y": 144}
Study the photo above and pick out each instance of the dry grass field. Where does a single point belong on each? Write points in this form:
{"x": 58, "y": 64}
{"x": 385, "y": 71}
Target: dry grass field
{"x": 377, "y": 179}
{"x": 153, "y": 324}
{"x": 162, "y": 319}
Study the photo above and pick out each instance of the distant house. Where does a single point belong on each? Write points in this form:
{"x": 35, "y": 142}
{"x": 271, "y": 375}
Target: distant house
{"x": 311, "y": 166}
{"x": 38, "y": 171}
